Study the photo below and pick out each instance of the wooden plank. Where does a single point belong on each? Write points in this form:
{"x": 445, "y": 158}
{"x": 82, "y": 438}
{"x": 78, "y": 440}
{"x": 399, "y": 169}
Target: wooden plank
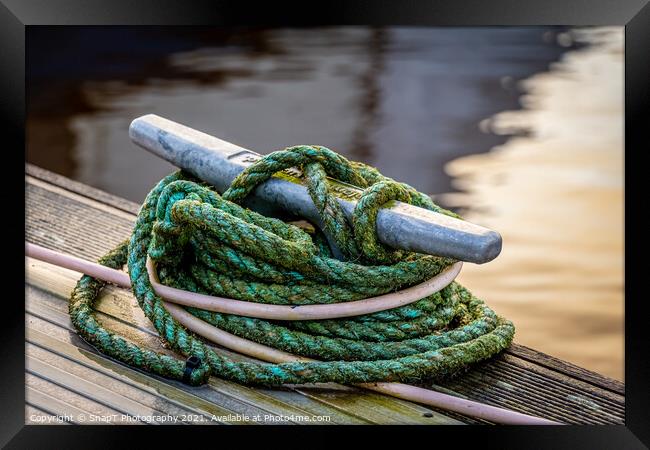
{"x": 542, "y": 359}
{"x": 58, "y": 411}
{"x": 367, "y": 407}
{"x": 200, "y": 400}
{"x": 133, "y": 385}
{"x": 68, "y": 396}
{"x": 516, "y": 349}
{"x": 556, "y": 401}
{"x": 88, "y": 389}
{"x": 81, "y": 188}
{"x": 68, "y": 217}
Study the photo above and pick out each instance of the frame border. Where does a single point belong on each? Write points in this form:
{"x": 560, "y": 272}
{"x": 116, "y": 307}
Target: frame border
{"x": 15, "y": 15}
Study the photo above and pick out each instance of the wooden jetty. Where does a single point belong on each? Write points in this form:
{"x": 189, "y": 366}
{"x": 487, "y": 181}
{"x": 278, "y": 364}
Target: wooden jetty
{"x": 67, "y": 381}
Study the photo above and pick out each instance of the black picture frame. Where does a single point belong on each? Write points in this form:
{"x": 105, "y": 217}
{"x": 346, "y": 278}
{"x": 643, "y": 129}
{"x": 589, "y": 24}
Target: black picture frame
{"x": 16, "y": 15}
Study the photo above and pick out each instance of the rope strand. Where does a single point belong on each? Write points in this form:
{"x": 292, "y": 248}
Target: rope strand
{"x": 206, "y": 243}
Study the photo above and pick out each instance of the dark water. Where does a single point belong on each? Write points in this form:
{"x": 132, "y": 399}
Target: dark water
{"x": 406, "y": 100}
{"x": 518, "y": 128}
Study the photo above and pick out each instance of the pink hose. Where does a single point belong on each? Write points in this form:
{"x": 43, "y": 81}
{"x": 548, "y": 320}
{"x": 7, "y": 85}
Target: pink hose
{"x": 232, "y": 342}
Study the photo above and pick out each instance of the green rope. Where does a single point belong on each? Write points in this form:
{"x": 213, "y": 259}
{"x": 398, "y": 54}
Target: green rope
{"x": 207, "y": 243}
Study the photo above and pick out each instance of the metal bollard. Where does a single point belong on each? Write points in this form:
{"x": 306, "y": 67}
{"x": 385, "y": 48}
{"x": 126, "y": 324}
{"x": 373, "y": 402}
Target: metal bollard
{"x": 400, "y": 226}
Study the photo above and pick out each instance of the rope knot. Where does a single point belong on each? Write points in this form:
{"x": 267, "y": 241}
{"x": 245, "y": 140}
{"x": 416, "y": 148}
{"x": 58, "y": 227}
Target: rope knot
{"x": 207, "y": 243}
{"x": 356, "y": 239}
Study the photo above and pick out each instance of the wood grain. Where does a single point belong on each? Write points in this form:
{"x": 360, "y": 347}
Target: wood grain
{"x": 67, "y": 375}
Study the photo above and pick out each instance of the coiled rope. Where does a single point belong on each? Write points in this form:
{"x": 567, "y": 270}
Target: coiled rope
{"x": 206, "y": 243}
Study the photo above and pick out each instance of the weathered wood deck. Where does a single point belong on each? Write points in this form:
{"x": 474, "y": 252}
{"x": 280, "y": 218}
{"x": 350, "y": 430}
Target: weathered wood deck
{"x": 67, "y": 377}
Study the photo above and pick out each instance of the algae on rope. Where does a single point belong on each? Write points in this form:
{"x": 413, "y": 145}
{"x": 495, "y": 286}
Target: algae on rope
{"x": 207, "y": 243}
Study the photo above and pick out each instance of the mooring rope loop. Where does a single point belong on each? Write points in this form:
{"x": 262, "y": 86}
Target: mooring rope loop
{"x": 207, "y": 243}
{"x": 317, "y": 311}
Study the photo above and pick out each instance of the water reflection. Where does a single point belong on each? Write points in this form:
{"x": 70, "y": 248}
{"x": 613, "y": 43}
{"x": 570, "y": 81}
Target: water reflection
{"x": 404, "y": 99}
{"x": 407, "y": 100}
{"x": 556, "y": 196}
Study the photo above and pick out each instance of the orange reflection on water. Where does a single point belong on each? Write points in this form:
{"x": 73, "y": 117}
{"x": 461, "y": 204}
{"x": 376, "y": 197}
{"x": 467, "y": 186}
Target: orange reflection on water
{"x": 556, "y": 196}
